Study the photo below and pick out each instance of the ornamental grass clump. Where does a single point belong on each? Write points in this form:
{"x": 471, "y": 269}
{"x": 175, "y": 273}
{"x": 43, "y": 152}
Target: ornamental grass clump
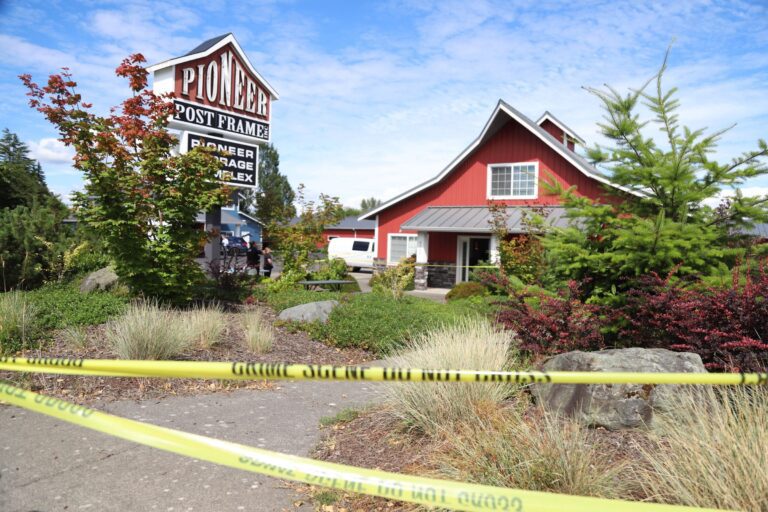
{"x": 472, "y": 344}
{"x": 17, "y": 322}
{"x": 205, "y": 325}
{"x": 148, "y": 330}
{"x": 259, "y": 333}
{"x": 536, "y": 451}
{"x": 712, "y": 451}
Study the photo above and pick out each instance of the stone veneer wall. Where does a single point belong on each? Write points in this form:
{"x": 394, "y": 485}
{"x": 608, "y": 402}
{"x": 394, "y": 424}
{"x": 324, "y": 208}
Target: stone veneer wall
{"x": 443, "y": 276}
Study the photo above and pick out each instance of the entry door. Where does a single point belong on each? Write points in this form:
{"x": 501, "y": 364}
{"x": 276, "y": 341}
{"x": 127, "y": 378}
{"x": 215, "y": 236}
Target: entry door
{"x": 470, "y": 252}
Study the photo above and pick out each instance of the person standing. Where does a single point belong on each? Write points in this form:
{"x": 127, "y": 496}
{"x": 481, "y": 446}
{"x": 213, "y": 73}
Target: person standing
{"x": 253, "y": 257}
{"x": 268, "y": 261}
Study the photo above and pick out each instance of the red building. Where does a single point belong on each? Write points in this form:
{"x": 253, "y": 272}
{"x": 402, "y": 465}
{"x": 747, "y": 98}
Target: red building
{"x": 350, "y": 227}
{"x": 445, "y": 220}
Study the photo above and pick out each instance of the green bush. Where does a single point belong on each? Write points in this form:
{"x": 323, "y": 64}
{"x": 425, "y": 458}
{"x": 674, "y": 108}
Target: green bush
{"x": 465, "y": 290}
{"x": 85, "y": 257}
{"x": 62, "y": 305}
{"x": 289, "y": 297}
{"x": 393, "y": 281}
{"x": 382, "y": 323}
{"x": 335, "y": 268}
{"x": 17, "y": 322}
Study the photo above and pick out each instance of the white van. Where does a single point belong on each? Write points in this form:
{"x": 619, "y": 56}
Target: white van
{"x": 357, "y": 252}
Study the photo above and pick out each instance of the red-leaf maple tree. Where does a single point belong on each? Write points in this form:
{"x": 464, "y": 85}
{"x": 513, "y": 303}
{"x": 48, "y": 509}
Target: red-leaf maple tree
{"x": 140, "y": 196}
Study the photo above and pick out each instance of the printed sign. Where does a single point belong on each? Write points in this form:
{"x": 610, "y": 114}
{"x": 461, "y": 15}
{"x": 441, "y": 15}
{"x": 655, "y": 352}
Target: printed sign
{"x": 219, "y": 121}
{"x": 241, "y": 161}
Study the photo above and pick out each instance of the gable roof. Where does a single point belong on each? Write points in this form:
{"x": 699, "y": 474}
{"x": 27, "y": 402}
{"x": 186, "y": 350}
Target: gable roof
{"x": 501, "y": 115}
{"x": 478, "y": 219}
{"x": 547, "y": 116}
{"x": 207, "y": 48}
{"x": 352, "y": 222}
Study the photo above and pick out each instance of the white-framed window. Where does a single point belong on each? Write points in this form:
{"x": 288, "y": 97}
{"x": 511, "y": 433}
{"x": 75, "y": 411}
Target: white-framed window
{"x": 513, "y": 181}
{"x": 401, "y": 245}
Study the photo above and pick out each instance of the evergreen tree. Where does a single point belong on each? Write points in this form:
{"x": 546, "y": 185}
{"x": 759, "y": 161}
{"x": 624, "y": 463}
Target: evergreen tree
{"x": 369, "y": 204}
{"x": 21, "y": 178}
{"x": 668, "y": 226}
{"x": 274, "y": 202}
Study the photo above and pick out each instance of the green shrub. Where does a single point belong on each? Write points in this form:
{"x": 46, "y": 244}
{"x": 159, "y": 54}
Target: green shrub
{"x": 259, "y": 333}
{"x": 61, "y": 305}
{"x": 471, "y": 344}
{"x": 465, "y": 290}
{"x": 335, "y": 268}
{"x": 85, "y": 257}
{"x": 381, "y": 323}
{"x": 289, "y": 297}
{"x": 18, "y": 328}
{"x": 148, "y": 331}
{"x": 393, "y": 281}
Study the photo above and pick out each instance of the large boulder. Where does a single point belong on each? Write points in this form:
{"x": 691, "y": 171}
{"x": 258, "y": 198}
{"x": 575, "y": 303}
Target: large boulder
{"x": 102, "y": 279}
{"x": 615, "y": 406}
{"x": 312, "y": 312}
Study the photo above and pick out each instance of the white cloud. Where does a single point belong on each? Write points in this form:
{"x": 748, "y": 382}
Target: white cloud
{"x": 50, "y": 151}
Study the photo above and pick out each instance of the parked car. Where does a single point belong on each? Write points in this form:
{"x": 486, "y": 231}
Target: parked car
{"x": 356, "y": 252}
{"x": 236, "y": 245}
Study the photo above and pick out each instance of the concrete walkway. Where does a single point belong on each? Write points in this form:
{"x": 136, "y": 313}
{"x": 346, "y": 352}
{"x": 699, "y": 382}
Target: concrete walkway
{"x": 48, "y": 465}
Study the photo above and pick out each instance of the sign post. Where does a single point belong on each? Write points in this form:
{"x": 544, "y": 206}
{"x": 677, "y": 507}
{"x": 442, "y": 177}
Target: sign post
{"x": 220, "y": 102}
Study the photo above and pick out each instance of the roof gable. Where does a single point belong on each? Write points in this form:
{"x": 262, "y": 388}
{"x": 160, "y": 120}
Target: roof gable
{"x": 547, "y": 116}
{"x": 209, "y": 47}
{"x": 500, "y": 116}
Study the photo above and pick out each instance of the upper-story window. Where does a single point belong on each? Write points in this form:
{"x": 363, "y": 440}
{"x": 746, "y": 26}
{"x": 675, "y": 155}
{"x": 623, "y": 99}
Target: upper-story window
{"x": 513, "y": 181}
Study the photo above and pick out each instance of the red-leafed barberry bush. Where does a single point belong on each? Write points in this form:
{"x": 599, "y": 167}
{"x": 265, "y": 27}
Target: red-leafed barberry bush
{"x": 547, "y": 325}
{"x": 727, "y": 327}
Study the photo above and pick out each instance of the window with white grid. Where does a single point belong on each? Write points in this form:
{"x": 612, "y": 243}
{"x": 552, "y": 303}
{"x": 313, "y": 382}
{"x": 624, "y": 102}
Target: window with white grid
{"x": 513, "y": 181}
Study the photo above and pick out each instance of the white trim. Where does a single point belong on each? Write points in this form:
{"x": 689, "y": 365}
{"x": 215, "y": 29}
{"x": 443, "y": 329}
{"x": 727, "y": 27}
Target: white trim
{"x": 376, "y": 236}
{"x": 559, "y": 148}
{"x": 230, "y": 38}
{"x": 254, "y": 219}
{"x": 489, "y": 180}
{"x": 389, "y": 245}
{"x": 547, "y": 116}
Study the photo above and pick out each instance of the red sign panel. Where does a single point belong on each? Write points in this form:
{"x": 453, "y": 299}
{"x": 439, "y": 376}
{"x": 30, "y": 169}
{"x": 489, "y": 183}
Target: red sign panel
{"x": 223, "y": 81}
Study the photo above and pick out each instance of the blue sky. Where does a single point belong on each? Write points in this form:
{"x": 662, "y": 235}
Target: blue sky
{"x": 376, "y": 97}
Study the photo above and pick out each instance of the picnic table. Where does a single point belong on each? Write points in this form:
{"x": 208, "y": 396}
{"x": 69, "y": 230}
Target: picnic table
{"x": 333, "y": 284}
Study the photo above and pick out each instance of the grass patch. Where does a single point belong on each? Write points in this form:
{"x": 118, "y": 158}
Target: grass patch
{"x": 75, "y": 336}
{"x": 18, "y": 325}
{"x": 61, "y": 305}
{"x": 712, "y": 450}
{"x": 259, "y": 333}
{"x": 148, "y": 331}
{"x": 326, "y": 498}
{"x": 383, "y": 324}
{"x": 205, "y": 324}
{"x": 343, "y": 416}
{"x": 472, "y": 344}
{"x": 503, "y": 448}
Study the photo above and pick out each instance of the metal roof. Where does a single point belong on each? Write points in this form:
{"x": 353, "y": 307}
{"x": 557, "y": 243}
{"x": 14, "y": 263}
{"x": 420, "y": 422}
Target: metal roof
{"x": 351, "y": 222}
{"x": 759, "y": 230}
{"x": 206, "y": 45}
{"x": 477, "y": 219}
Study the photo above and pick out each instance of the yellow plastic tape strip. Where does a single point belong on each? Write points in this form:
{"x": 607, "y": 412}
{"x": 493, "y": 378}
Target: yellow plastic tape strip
{"x": 424, "y": 491}
{"x": 244, "y": 370}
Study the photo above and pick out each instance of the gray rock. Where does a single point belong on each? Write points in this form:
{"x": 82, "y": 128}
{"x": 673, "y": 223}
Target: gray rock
{"x": 102, "y": 279}
{"x": 615, "y": 406}
{"x": 314, "y": 311}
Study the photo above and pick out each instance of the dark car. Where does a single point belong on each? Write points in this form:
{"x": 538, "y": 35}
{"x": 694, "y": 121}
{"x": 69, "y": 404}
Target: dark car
{"x": 237, "y": 245}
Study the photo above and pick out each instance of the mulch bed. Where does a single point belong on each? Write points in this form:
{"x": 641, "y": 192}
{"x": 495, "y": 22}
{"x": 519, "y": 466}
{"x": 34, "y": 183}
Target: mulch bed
{"x": 289, "y": 347}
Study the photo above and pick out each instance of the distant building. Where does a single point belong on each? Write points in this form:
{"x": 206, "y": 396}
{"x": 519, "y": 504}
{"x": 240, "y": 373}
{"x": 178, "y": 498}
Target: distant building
{"x": 350, "y": 227}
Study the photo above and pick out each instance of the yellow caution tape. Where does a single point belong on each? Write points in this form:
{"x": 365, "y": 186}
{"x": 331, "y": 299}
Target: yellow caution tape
{"x": 244, "y": 370}
{"x": 423, "y": 491}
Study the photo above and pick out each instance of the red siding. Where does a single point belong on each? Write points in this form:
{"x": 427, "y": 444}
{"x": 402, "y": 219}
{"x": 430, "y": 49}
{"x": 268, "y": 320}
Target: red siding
{"x": 552, "y": 129}
{"x": 467, "y": 184}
